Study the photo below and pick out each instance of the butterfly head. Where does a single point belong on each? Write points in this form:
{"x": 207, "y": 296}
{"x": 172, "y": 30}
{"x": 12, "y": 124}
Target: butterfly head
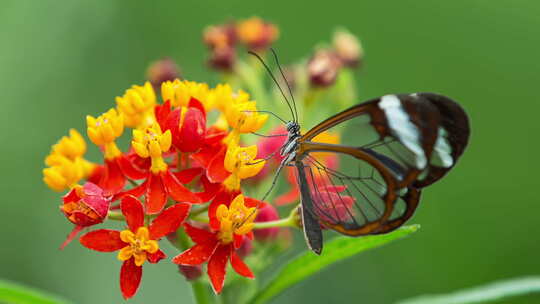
{"x": 293, "y": 128}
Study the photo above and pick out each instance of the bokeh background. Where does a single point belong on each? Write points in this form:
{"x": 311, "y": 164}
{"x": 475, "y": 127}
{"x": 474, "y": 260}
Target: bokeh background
{"x": 61, "y": 60}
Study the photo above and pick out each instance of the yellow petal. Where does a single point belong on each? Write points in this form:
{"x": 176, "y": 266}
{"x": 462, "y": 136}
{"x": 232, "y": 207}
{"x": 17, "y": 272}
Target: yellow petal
{"x": 140, "y": 258}
{"x": 251, "y": 170}
{"x": 127, "y": 236}
{"x": 125, "y": 253}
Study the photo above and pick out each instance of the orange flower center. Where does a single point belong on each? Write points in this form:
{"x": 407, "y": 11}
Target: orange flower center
{"x": 235, "y": 219}
{"x": 139, "y": 245}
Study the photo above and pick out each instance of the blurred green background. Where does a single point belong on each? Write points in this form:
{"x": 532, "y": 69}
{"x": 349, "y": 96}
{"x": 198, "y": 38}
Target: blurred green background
{"x": 61, "y": 60}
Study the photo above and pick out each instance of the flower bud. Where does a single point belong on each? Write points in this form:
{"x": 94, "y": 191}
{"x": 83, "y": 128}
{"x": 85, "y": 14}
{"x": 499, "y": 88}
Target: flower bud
{"x": 191, "y": 273}
{"x": 222, "y": 58}
{"x": 85, "y": 206}
{"x": 323, "y": 68}
{"x": 348, "y": 48}
{"x": 266, "y": 213}
{"x": 162, "y": 70}
{"x": 257, "y": 34}
{"x": 220, "y": 36}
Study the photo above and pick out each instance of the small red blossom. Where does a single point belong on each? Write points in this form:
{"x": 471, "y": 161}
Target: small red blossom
{"x": 138, "y": 243}
{"x": 216, "y": 248}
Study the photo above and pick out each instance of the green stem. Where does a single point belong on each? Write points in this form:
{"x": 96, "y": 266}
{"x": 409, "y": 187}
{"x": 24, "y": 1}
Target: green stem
{"x": 115, "y": 216}
{"x": 286, "y": 222}
{"x": 199, "y": 289}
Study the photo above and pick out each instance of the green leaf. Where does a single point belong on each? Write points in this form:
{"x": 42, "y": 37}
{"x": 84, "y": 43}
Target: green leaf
{"x": 14, "y": 293}
{"x": 336, "y": 250}
{"x": 482, "y": 294}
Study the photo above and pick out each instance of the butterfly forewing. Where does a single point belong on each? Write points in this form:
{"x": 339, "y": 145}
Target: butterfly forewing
{"x": 390, "y": 147}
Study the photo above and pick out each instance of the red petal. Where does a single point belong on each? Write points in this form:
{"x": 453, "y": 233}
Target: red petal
{"x": 187, "y": 175}
{"x": 198, "y": 235}
{"x": 238, "y": 241}
{"x": 192, "y": 131}
{"x": 130, "y": 278}
{"x": 195, "y": 103}
{"x": 177, "y": 191}
{"x": 97, "y": 174}
{"x": 169, "y": 220}
{"x": 133, "y": 210}
{"x": 71, "y": 196}
{"x": 214, "y": 136}
{"x": 156, "y": 256}
{"x": 156, "y": 195}
{"x": 204, "y": 156}
{"x": 173, "y": 124}
{"x": 136, "y": 191}
{"x": 217, "y": 267}
{"x": 251, "y": 202}
{"x": 210, "y": 189}
{"x": 103, "y": 240}
{"x": 112, "y": 180}
{"x": 240, "y": 267}
{"x": 71, "y": 236}
{"x": 216, "y": 171}
{"x": 129, "y": 169}
{"x": 162, "y": 112}
{"x": 197, "y": 254}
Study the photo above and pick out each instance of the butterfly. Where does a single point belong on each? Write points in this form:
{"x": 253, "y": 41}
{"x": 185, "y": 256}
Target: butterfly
{"x": 395, "y": 145}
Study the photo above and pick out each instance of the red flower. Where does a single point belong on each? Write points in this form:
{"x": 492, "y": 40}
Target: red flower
{"x": 216, "y": 248}
{"x": 138, "y": 243}
{"x": 84, "y": 206}
{"x": 208, "y": 248}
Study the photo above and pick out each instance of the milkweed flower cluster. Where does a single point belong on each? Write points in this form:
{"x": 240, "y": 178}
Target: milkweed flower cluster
{"x": 188, "y": 175}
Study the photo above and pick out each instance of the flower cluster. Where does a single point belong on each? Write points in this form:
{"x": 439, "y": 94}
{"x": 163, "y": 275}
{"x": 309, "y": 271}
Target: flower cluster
{"x": 188, "y": 175}
{"x": 177, "y": 159}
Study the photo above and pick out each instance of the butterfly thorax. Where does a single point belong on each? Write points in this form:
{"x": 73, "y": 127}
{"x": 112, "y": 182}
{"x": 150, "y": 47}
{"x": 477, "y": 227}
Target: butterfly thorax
{"x": 288, "y": 150}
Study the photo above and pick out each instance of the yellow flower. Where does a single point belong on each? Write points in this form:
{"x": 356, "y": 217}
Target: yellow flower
{"x": 137, "y": 105}
{"x": 151, "y": 142}
{"x": 235, "y": 219}
{"x": 244, "y": 118}
{"x": 64, "y": 174}
{"x": 180, "y": 92}
{"x": 220, "y": 97}
{"x": 71, "y": 146}
{"x": 241, "y": 162}
{"x": 104, "y": 130}
{"x": 139, "y": 245}
{"x": 66, "y": 163}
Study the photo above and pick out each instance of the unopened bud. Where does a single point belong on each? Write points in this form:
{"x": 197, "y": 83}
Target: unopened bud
{"x": 222, "y": 59}
{"x": 323, "y": 68}
{"x": 257, "y": 34}
{"x": 348, "y": 48}
{"x": 162, "y": 70}
{"x": 191, "y": 273}
{"x": 220, "y": 36}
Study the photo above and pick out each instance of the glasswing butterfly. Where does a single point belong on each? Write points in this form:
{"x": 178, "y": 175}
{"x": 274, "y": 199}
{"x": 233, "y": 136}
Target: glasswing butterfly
{"x": 395, "y": 145}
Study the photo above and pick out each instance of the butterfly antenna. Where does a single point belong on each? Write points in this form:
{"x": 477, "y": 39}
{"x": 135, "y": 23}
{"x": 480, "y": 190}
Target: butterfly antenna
{"x": 286, "y": 82}
{"x": 275, "y": 81}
